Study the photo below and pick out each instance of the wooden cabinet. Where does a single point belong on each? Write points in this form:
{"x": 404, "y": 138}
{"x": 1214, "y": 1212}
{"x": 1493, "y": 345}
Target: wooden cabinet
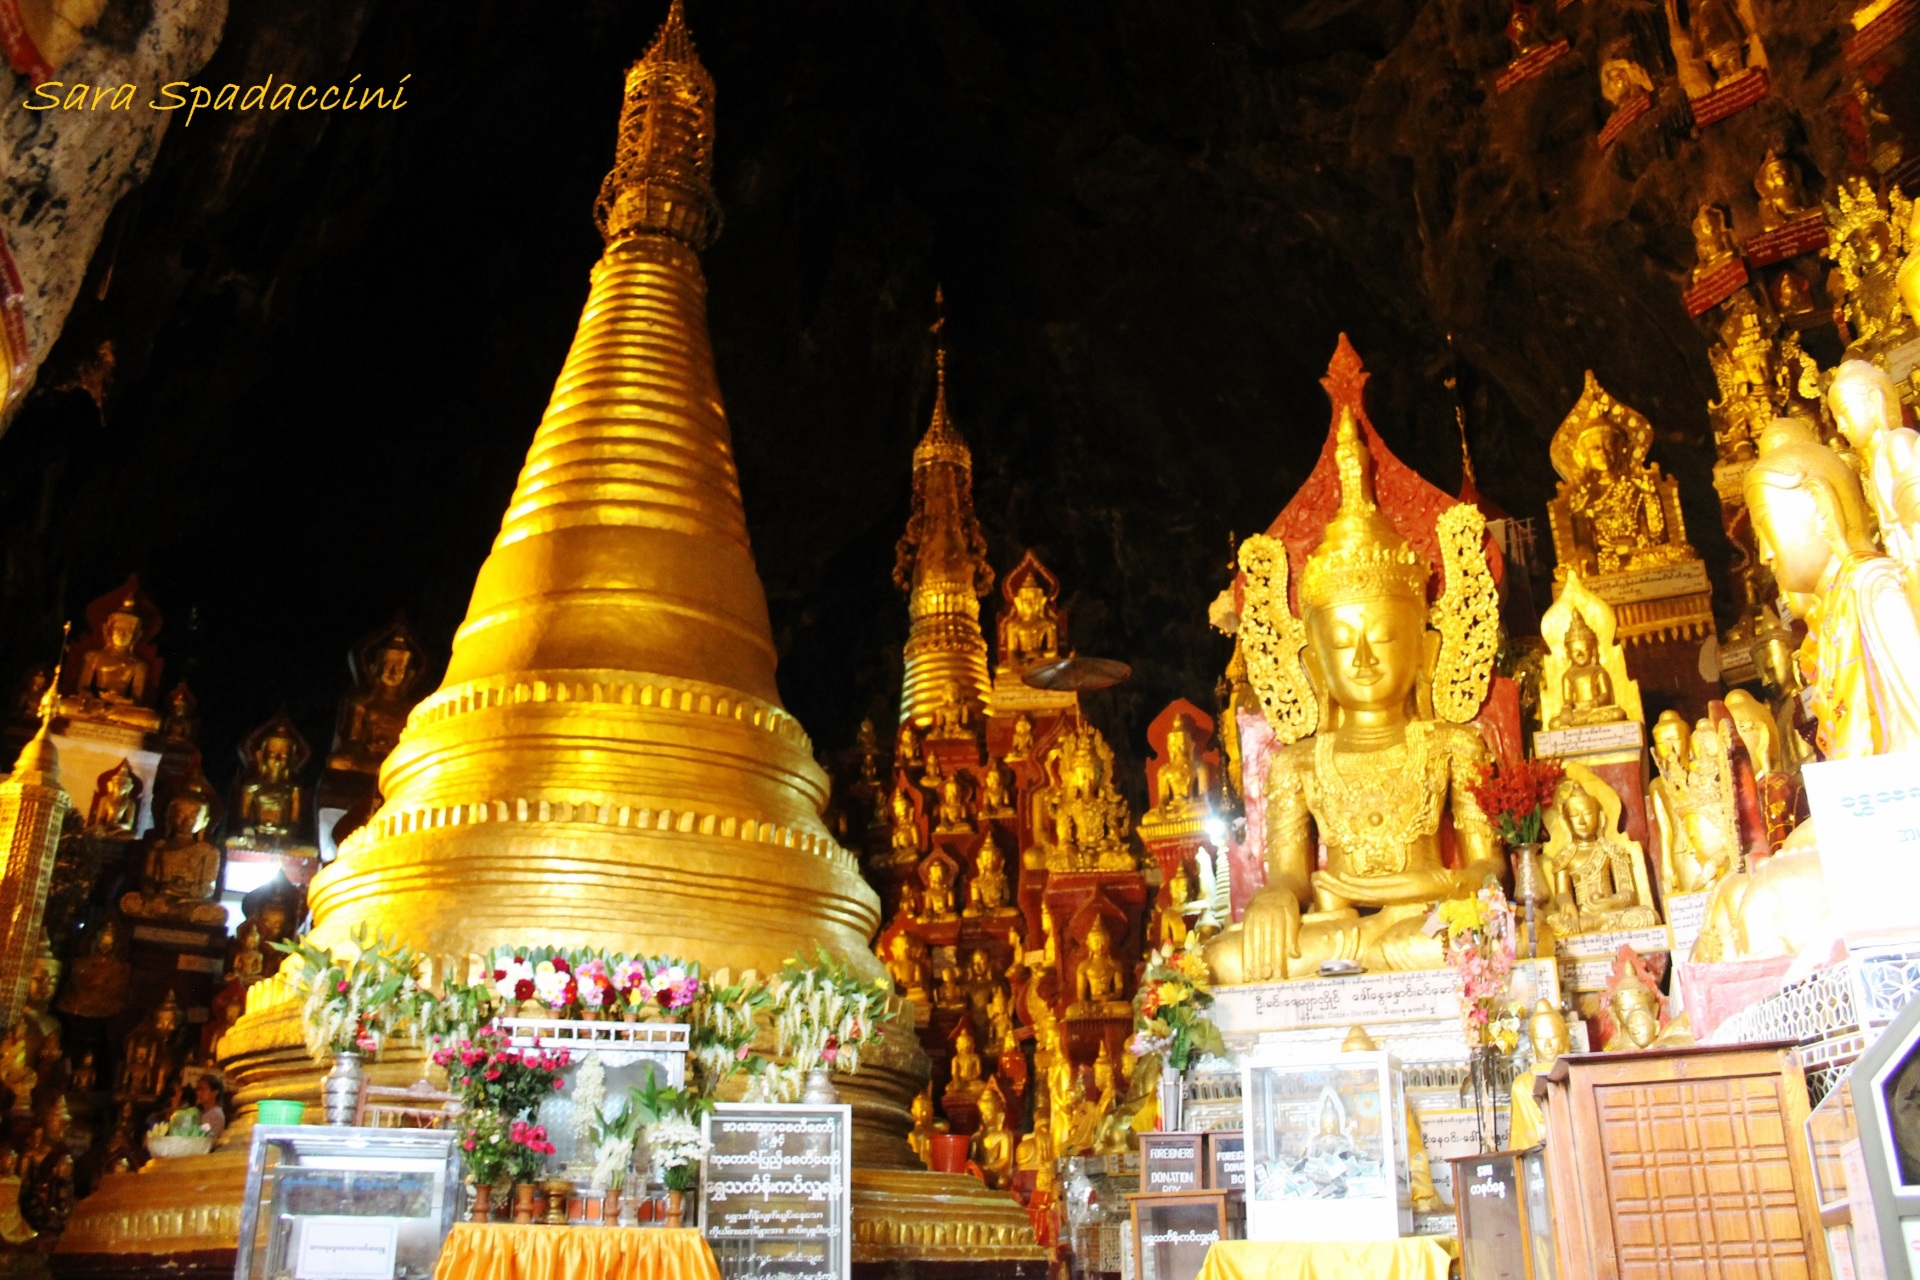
{"x": 1680, "y": 1163}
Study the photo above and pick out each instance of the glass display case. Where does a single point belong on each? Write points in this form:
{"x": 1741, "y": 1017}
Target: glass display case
{"x": 1884, "y": 1088}
{"x": 1326, "y": 1147}
{"x": 1506, "y": 1227}
{"x": 1840, "y": 1187}
{"x": 327, "y": 1202}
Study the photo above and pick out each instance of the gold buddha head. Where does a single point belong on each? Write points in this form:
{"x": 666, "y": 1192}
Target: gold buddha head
{"x": 1582, "y": 643}
{"x": 188, "y": 813}
{"x": 1098, "y": 940}
{"x": 166, "y": 1019}
{"x": 1710, "y": 239}
{"x": 1547, "y": 1034}
{"x": 978, "y": 967}
{"x": 938, "y": 876}
{"x": 1864, "y": 402}
{"x": 1603, "y": 448}
{"x": 1671, "y": 736}
{"x": 901, "y": 947}
{"x": 993, "y": 1108}
{"x": 1754, "y": 724}
{"x": 274, "y": 758}
{"x": 395, "y": 668}
{"x": 1363, "y": 594}
{"x": 1806, "y": 505}
{"x": 1636, "y": 1010}
{"x": 1775, "y": 181}
{"x": 963, "y": 1041}
{"x": 1030, "y": 601}
{"x": 922, "y": 1108}
{"x": 123, "y": 628}
{"x": 1582, "y": 812}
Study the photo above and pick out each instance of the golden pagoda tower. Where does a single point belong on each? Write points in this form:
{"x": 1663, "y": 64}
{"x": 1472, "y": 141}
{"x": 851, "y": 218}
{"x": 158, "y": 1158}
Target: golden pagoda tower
{"x": 32, "y": 807}
{"x": 607, "y": 763}
{"x": 941, "y": 563}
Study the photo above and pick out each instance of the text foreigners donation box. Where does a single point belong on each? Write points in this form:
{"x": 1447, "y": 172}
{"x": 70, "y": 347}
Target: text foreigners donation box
{"x": 1867, "y": 812}
{"x": 776, "y": 1190}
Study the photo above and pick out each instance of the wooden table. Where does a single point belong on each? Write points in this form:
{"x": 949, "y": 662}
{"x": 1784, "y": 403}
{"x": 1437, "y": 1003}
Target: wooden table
{"x": 1408, "y": 1258}
{"x": 502, "y": 1251}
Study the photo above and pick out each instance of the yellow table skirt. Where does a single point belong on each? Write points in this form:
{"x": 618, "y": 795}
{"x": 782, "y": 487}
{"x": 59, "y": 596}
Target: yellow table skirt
{"x": 502, "y": 1251}
{"x": 1409, "y": 1258}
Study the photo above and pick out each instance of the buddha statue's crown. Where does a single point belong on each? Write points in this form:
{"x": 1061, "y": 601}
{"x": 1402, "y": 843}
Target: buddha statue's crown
{"x": 1361, "y": 556}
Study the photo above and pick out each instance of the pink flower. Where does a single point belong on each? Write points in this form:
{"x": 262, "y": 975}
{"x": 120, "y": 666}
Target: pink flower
{"x": 342, "y": 987}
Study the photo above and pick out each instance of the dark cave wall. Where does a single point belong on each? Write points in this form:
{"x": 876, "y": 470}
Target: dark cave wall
{"x": 1151, "y": 219}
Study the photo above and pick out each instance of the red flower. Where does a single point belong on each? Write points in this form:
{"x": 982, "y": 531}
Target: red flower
{"x": 560, "y": 965}
{"x": 499, "y": 974}
{"x": 523, "y": 989}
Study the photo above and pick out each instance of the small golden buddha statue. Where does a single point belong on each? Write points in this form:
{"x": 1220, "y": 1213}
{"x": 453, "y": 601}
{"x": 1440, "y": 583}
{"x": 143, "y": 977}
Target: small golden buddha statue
{"x": 981, "y": 982}
{"x": 1182, "y": 779}
{"x": 1035, "y": 1153}
{"x": 955, "y": 813}
{"x": 1866, "y": 407}
{"x": 277, "y": 908}
{"x": 386, "y": 671}
{"x": 925, "y": 1124}
{"x": 1810, "y": 523}
{"x": 1622, "y": 78}
{"x": 1372, "y": 783}
{"x": 1064, "y": 1091}
{"x": 1085, "y": 810}
{"x": 270, "y": 804}
{"x": 1774, "y": 656}
{"x": 115, "y": 811}
{"x": 1716, "y": 43}
{"x": 966, "y": 1075}
{"x": 950, "y": 996}
{"x": 30, "y": 1055}
{"x": 1584, "y": 676}
{"x": 99, "y": 983}
{"x": 1672, "y": 752}
{"x": 1864, "y": 242}
{"x": 245, "y": 966}
{"x": 905, "y": 837}
{"x": 1031, "y": 635}
{"x": 1170, "y": 922}
{"x": 180, "y": 720}
{"x": 148, "y": 1056}
{"x": 1713, "y": 246}
{"x": 1779, "y": 790}
{"x": 1092, "y": 1129}
{"x": 993, "y": 1141}
{"x": 1709, "y": 813}
{"x": 988, "y": 893}
{"x": 1523, "y": 31}
{"x": 181, "y": 876}
{"x": 1599, "y": 876}
{"x": 906, "y": 749}
{"x": 1638, "y": 1015}
{"x": 1099, "y": 984}
{"x": 952, "y": 715}
{"x": 1000, "y": 1019}
{"x": 46, "y": 1172}
{"x": 1022, "y": 745}
{"x": 932, "y": 776}
{"x": 996, "y": 792}
{"x": 115, "y": 679}
{"x": 1548, "y": 1037}
{"x": 937, "y": 905}
{"x": 866, "y": 749}
{"x": 1614, "y": 511}
{"x": 1778, "y": 186}
{"x": 907, "y": 966}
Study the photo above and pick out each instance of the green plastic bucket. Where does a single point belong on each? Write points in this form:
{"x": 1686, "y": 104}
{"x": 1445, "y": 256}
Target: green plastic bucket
{"x": 277, "y": 1111}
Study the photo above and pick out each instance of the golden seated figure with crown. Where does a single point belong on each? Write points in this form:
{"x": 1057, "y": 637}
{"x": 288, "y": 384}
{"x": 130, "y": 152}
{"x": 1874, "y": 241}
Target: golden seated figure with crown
{"x": 1366, "y": 762}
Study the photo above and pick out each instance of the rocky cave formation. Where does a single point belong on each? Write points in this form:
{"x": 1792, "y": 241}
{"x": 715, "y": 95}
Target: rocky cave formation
{"x": 305, "y": 355}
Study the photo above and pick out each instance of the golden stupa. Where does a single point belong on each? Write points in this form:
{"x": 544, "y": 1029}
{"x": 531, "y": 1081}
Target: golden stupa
{"x": 607, "y": 762}
{"x": 941, "y": 563}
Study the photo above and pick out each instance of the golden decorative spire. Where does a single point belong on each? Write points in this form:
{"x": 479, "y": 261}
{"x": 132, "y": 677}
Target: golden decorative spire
{"x": 941, "y": 563}
{"x": 608, "y": 763}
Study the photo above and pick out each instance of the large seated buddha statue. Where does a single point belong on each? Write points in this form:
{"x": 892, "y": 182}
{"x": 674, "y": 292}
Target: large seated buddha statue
{"x": 1367, "y": 764}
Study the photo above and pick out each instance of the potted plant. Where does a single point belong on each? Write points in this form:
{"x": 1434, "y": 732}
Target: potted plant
{"x": 353, "y": 1004}
{"x": 526, "y": 1161}
{"x": 483, "y": 1145}
{"x": 490, "y": 1074}
{"x": 671, "y": 1120}
{"x": 822, "y": 1017}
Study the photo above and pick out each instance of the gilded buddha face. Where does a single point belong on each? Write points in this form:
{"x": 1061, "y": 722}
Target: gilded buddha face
{"x": 1370, "y": 650}
{"x": 122, "y": 632}
{"x": 1582, "y": 813}
{"x": 1670, "y": 735}
{"x": 395, "y": 665}
{"x": 1789, "y": 527}
{"x": 1864, "y": 402}
{"x": 1547, "y": 1033}
{"x": 1029, "y": 600}
{"x": 1580, "y": 642}
{"x": 275, "y": 753}
{"x": 186, "y": 816}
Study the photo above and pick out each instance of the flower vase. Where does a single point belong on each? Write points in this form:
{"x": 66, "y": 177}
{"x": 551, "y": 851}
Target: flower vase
{"x": 558, "y": 1191}
{"x": 523, "y": 1203}
{"x": 610, "y": 1207}
{"x": 340, "y": 1089}
{"x": 629, "y": 1210}
{"x": 1531, "y": 892}
{"x": 820, "y": 1091}
{"x": 676, "y": 1208}
{"x": 1173, "y": 1098}
{"x": 1486, "y": 1074}
{"x": 482, "y": 1203}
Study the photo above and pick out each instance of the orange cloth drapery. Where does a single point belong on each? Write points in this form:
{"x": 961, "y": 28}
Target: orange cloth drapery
{"x": 1410, "y": 1258}
{"x": 500, "y": 1251}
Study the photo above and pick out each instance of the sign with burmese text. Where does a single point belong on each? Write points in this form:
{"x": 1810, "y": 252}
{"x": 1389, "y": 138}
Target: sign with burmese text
{"x": 1868, "y": 811}
{"x": 776, "y": 1191}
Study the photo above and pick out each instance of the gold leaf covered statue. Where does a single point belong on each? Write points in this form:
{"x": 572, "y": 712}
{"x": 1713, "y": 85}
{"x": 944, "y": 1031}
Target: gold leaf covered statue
{"x": 270, "y": 803}
{"x": 1599, "y": 875}
{"x": 937, "y": 898}
{"x": 115, "y": 811}
{"x": 993, "y": 1141}
{"x": 1778, "y": 185}
{"x": 966, "y": 1073}
{"x": 1182, "y": 779}
{"x": 1718, "y": 42}
{"x": 99, "y": 983}
{"x": 1810, "y": 523}
{"x": 1694, "y": 806}
{"x": 1030, "y": 628}
{"x": 180, "y": 879}
{"x": 1622, "y": 78}
{"x": 1377, "y": 773}
{"x": 1548, "y": 1038}
{"x": 925, "y": 1124}
{"x": 386, "y": 672}
{"x": 1614, "y": 510}
{"x": 988, "y": 893}
{"x": 1866, "y": 407}
{"x": 1099, "y": 983}
{"x": 1634, "y": 1015}
{"x": 116, "y": 678}
{"x": 1713, "y": 246}
{"x": 1087, "y": 814}
{"x": 1584, "y": 676}
{"x": 1868, "y": 241}
{"x": 148, "y": 1057}
{"x": 907, "y": 966}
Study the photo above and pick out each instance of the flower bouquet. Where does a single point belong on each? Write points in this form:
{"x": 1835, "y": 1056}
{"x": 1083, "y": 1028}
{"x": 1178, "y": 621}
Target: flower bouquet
{"x": 1516, "y": 797}
{"x": 1480, "y": 949}
{"x": 724, "y": 1022}
{"x": 181, "y": 1134}
{"x": 491, "y": 1075}
{"x": 822, "y": 1017}
{"x": 356, "y": 1003}
{"x": 1171, "y": 1026}
{"x": 527, "y": 1151}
